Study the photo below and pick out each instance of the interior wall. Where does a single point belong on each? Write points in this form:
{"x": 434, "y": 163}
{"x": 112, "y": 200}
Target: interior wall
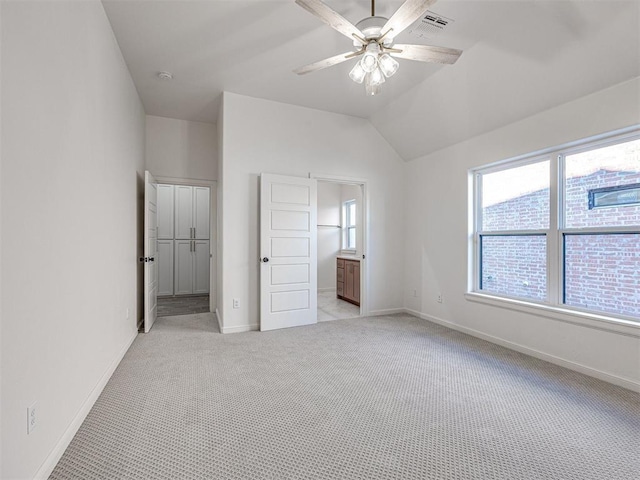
{"x": 329, "y": 205}
{"x": 436, "y": 246}
{"x": 271, "y": 137}
{"x": 181, "y": 149}
{"x": 72, "y": 158}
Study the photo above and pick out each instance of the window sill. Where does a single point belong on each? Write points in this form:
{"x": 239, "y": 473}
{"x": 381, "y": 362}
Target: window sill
{"x": 576, "y": 317}
{"x": 346, "y": 251}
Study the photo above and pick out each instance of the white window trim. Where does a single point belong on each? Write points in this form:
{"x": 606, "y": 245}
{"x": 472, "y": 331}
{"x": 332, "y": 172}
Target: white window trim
{"x": 345, "y": 227}
{"x": 552, "y": 307}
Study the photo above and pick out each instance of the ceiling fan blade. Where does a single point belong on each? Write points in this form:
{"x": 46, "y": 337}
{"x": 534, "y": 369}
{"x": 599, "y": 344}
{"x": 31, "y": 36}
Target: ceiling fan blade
{"x": 409, "y": 12}
{"x": 426, "y": 53}
{"x": 327, "y": 62}
{"x": 331, "y": 18}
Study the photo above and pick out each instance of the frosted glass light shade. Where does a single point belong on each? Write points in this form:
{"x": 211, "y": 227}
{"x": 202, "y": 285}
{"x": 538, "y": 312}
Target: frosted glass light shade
{"x": 373, "y": 81}
{"x": 376, "y": 77}
{"x": 388, "y": 64}
{"x": 372, "y": 89}
{"x": 370, "y": 58}
{"x": 357, "y": 73}
{"x": 369, "y": 62}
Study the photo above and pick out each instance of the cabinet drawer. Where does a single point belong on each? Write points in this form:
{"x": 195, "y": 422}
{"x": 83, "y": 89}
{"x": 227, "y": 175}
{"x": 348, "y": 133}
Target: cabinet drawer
{"x": 340, "y": 288}
{"x": 340, "y": 263}
{"x": 340, "y": 275}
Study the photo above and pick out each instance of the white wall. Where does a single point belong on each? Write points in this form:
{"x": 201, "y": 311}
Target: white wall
{"x": 437, "y": 235}
{"x": 72, "y": 159}
{"x": 328, "y": 236}
{"x": 265, "y": 136}
{"x": 181, "y": 149}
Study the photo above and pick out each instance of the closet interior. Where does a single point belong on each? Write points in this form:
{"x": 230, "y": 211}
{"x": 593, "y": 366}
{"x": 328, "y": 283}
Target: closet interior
{"x": 183, "y": 249}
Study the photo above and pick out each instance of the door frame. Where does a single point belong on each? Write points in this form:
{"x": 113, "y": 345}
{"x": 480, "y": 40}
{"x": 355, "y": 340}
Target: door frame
{"x": 364, "y": 270}
{"x": 213, "y": 228}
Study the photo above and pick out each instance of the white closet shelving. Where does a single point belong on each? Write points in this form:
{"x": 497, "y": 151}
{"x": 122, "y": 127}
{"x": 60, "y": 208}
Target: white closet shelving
{"x": 183, "y": 239}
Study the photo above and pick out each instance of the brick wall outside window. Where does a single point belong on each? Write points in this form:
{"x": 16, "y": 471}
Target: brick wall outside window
{"x": 602, "y": 271}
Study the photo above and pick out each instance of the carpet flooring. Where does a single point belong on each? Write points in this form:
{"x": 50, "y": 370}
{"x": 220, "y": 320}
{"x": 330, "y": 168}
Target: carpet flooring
{"x": 391, "y": 397}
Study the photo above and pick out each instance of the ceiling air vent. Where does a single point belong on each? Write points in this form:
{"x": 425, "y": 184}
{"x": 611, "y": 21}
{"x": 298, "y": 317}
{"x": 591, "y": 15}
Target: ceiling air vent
{"x": 430, "y": 26}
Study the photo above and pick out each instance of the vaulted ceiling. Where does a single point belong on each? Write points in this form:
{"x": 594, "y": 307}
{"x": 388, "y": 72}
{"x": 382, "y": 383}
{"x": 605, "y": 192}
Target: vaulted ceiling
{"x": 520, "y": 57}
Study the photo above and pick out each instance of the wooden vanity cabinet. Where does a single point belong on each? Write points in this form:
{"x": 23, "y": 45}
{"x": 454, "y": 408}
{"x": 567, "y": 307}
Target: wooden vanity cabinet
{"x": 348, "y": 280}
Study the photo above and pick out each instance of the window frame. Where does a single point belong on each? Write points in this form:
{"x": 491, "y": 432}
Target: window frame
{"x": 347, "y": 225}
{"x": 553, "y": 305}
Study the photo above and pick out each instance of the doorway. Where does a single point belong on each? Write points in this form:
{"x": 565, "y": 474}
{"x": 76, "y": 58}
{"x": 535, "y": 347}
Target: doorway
{"x": 186, "y": 242}
{"x": 341, "y": 246}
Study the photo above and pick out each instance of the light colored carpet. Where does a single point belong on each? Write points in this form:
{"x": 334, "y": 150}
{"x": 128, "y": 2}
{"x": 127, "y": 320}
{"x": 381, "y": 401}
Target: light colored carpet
{"x": 369, "y": 398}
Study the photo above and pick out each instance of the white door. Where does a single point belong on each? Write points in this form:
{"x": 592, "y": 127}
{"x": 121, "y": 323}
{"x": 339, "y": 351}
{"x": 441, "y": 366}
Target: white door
{"x": 183, "y": 265}
{"x": 165, "y": 212}
{"x": 165, "y": 267}
{"x": 201, "y": 213}
{"x": 150, "y": 251}
{"x": 288, "y": 252}
{"x": 183, "y": 198}
{"x": 201, "y": 266}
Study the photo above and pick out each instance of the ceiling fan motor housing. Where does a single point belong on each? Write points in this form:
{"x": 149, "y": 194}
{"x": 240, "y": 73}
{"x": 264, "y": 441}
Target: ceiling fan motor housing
{"x": 372, "y": 29}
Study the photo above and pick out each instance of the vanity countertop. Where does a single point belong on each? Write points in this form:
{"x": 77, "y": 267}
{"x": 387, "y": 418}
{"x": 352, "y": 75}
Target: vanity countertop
{"x": 349, "y": 257}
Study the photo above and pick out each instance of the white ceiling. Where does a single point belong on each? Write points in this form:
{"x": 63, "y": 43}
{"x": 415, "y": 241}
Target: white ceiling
{"x": 520, "y": 57}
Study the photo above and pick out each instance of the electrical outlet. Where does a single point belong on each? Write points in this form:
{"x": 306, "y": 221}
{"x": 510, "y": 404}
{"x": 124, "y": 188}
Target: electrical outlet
{"x": 440, "y": 298}
{"x": 31, "y": 417}
{"x": 236, "y": 303}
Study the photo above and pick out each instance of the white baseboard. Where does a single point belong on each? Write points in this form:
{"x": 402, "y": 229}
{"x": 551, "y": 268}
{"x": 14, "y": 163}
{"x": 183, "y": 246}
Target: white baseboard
{"x": 387, "y": 311}
{"x": 52, "y": 460}
{"x": 241, "y": 328}
{"x": 577, "y": 367}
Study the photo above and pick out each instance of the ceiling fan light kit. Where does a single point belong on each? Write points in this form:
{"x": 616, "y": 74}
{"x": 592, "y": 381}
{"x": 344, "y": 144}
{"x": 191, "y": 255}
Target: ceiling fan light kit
{"x": 373, "y": 39}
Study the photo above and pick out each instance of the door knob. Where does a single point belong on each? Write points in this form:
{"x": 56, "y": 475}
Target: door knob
{"x": 265, "y": 259}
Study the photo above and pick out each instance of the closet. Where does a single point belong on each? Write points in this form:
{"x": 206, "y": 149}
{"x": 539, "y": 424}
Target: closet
{"x": 183, "y": 240}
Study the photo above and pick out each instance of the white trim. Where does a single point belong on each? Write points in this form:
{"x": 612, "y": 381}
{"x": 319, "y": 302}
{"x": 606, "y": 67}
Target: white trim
{"x": 584, "y": 319}
{"x": 364, "y": 270}
{"x": 577, "y": 367}
{"x": 338, "y": 178}
{"x": 219, "y": 319}
{"x": 186, "y": 181}
{"x": 241, "y": 328}
{"x": 386, "y": 311}
{"x": 213, "y": 228}
{"x": 58, "y": 450}
{"x": 554, "y": 305}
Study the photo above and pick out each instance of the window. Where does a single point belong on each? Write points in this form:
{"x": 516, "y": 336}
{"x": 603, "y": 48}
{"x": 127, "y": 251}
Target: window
{"x": 349, "y": 225}
{"x": 562, "y": 229}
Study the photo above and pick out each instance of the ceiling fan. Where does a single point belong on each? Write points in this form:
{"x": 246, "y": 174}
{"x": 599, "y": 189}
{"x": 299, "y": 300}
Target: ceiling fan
{"x": 373, "y": 39}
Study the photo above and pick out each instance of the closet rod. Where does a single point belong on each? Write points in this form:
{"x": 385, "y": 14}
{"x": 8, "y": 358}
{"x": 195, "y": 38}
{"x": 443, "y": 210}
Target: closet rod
{"x": 332, "y": 226}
